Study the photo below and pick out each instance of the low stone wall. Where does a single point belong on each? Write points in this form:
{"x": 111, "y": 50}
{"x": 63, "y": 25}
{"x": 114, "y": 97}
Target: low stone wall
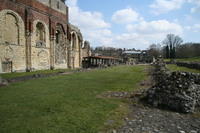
{"x": 193, "y": 65}
{"x": 179, "y": 91}
{"x": 3, "y": 82}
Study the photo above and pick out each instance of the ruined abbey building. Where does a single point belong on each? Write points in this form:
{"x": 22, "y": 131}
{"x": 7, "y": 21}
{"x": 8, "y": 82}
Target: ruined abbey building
{"x": 36, "y": 35}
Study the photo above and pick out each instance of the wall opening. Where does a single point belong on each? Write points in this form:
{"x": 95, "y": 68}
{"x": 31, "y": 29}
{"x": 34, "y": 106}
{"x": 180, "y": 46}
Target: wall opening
{"x": 40, "y": 35}
{"x": 11, "y": 32}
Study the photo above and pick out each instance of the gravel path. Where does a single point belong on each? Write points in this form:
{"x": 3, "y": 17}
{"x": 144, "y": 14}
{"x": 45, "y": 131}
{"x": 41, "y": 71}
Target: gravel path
{"x": 144, "y": 119}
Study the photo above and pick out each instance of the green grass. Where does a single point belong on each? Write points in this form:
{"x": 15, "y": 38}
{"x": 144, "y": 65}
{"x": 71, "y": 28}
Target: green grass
{"x": 67, "y": 103}
{"x": 173, "y": 67}
{"x": 193, "y": 59}
{"x": 21, "y": 74}
{"x": 167, "y": 60}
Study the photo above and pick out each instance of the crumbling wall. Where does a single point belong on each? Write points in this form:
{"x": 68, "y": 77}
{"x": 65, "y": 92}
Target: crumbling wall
{"x": 40, "y": 56}
{"x": 179, "y": 91}
{"x": 193, "y": 65}
{"x": 12, "y": 41}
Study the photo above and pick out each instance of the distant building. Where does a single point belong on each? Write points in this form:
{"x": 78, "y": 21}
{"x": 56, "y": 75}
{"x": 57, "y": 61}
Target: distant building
{"x": 134, "y": 57}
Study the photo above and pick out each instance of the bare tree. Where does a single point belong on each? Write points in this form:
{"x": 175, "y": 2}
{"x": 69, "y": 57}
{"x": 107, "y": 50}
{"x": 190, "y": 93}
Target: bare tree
{"x": 63, "y": 0}
{"x": 172, "y": 41}
{"x": 154, "y": 50}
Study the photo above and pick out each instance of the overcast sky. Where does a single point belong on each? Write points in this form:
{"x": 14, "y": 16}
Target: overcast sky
{"x": 135, "y": 23}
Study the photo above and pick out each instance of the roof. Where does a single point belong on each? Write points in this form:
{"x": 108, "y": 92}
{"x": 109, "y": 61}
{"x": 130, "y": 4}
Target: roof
{"x": 102, "y": 57}
{"x": 132, "y": 52}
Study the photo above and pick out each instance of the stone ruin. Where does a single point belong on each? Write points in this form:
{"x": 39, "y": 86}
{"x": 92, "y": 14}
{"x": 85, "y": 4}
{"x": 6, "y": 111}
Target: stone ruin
{"x": 193, "y": 65}
{"x": 3, "y": 82}
{"x": 178, "y": 91}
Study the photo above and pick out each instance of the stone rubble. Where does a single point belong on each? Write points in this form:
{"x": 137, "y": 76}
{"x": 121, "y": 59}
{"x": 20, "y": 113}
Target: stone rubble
{"x": 143, "y": 119}
{"x": 193, "y": 65}
{"x": 178, "y": 91}
{"x": 3, "y": 82}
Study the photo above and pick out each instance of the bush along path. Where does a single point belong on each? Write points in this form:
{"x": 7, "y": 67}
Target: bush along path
{"x": 165, "y": 108}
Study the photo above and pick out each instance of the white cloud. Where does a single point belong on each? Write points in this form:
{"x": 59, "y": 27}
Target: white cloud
{"x": 193, "y": 28}
{"x": 92, "y": 24}
{"x": 85, "y": 19}
{"x": 140, "y": 33}
{"x": 131, "y": 40}
{"x": 164, "y": 6}
{"x": 196, "y": 8}
{"x": 127, "y": 15}
{"x": 159, "y": 26}
{"x": 71, "y": 3}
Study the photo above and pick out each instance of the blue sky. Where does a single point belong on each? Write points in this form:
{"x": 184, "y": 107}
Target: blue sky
{"x": 135, "y": 23}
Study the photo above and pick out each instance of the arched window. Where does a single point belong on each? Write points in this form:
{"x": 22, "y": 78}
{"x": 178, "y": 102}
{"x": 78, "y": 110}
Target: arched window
{"x": 40, "y": 35}
{"x": 60, "y": 47}
{"x": 58, "y": 36}
{"x": 73, "y": 41}
{"x": 11, "y": 33}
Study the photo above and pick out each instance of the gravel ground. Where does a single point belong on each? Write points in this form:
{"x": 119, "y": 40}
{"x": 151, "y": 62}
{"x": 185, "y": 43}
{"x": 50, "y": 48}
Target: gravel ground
{"x": 144, "y": 119}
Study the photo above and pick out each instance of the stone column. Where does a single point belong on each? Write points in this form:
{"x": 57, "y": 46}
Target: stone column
{"x": 28, "y": 36}
{"x": 28, "y": 51}
{"x": 80, "y": 53}
{"x": 1, "y": 66}
{"x": 52, "y": 52}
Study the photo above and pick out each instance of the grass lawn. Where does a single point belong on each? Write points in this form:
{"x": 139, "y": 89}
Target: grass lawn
{"x": 67, "y": 103}
{"x": 14, "y": 75}
{"x": 173, "y": 67}
{"x": 193, "y": 59}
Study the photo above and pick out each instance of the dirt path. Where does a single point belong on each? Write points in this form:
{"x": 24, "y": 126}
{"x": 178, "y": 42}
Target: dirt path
{"x": 144, "y": 119}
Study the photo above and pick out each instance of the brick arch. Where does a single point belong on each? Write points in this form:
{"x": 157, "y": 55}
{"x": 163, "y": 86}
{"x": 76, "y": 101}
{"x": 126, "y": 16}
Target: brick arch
{"x": 76, "y": 49}
{"x": 61, "y": 27}
{"x": 35, "y": 32}
{"x": 74, "y": 41}
{"x": 20, "y": 28}
{"x": 60, "y": 45}
{"x": 12, "y": 41}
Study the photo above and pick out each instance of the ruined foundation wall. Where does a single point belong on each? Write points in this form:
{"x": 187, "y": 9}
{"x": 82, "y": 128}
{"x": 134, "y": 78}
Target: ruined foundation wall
{"x": 193, "y": 65}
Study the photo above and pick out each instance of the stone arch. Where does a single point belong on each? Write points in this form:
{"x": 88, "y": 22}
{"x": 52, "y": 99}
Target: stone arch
{"x": 60, "y": 45}
{"x": 40, "y": 34}
{"x": 12, "y": 30}
{"x": 86, "y": 45}
{"x": 12, "y": 41}
{"x": 75, "y": 47}
{"x": 74, "y": 41}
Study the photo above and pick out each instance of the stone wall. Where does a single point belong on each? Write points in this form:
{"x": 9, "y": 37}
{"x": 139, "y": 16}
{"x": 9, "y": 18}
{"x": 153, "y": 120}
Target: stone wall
{"x": 179, "y": 91}
{"x": 57, "y": 5}
{"x": 193, "y": 65}
{"x": 12, "y": 42}
{"x": 36, "y": 35}
{"x": 86, "y": 51}
{"x": 76, "y": 44}
{"x": 40, "y": 50}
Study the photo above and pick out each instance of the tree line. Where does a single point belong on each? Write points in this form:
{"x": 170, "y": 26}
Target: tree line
{"x": 173, "y": 47}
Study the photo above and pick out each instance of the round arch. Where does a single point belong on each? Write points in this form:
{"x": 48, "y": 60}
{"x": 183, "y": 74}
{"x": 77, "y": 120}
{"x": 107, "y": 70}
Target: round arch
{"x": 74, "y": 41}
{"x": 36, "y": 40}
{"x": 20, "y": 29}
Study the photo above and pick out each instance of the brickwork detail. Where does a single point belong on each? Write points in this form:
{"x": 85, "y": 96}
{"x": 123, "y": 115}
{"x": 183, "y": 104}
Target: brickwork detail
{"x": 36, "y": 35}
